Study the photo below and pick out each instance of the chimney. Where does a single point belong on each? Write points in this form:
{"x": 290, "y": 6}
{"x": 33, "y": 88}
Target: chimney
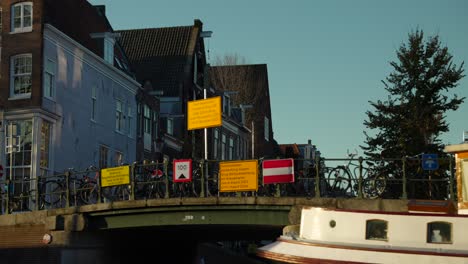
{"x": 309, "y": 142}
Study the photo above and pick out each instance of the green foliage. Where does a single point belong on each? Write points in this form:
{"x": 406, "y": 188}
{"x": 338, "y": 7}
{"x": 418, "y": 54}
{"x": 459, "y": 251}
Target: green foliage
{"x": 410, "y": 121}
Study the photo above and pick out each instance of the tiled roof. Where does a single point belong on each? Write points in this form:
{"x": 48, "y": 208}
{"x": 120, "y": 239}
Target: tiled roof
{"x": 160, "y": 55}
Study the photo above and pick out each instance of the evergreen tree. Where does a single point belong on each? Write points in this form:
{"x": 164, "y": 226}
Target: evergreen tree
{"x": 412, "y": 118}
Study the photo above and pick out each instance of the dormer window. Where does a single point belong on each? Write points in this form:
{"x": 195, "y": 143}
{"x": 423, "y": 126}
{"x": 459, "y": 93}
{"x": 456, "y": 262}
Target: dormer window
{"x": 21, "y": 17}
{"x": 108, "y": 42}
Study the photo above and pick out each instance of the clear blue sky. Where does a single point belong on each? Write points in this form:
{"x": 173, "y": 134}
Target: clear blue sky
{"x": 325, "y": 58}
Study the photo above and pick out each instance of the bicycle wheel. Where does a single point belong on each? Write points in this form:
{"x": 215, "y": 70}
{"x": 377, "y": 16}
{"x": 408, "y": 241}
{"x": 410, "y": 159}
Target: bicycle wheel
{"x": 374, "y": 186}
{"x": 52, "y": 193}
{"x": 339, "y": 181}
{"x": 88, "y": 192}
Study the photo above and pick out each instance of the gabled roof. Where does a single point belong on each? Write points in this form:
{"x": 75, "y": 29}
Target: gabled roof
{"x": 161, "y": 55}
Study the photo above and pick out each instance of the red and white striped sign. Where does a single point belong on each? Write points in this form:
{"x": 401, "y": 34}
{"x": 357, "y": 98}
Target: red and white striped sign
{"x": 278, "y": 171}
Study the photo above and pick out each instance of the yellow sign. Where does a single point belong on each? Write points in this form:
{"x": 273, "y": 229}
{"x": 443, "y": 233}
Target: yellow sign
{"x": 204, "y": 113}
{"x": 238, "y": 176}
{"x": 115, "y": 176}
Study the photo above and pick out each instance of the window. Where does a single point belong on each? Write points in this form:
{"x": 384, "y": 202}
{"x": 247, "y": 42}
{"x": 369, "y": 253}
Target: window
{"x": 223, "y": 147}
{"x": 267, "y": 128}
{"x": 129, "y": 121}
{"x": 44, "y": 147}
{"x": 49, "y": 79}
{"x": 118, "y": 158}
{"x": 231, "y": 148}
{"x": 19, "y": 141}
{"x": 215, "y": 143}
{"x": 21, "y": 17}
{"x": 20, "y": 80}
{"x": 109, "y": 50}
{"x": 170, "y": 126}
{"x": 439, "y": 232}
{"x": 119, "y": 117}
{"x": 155, "y": 124}
{"x": 93, "y": 102}
{"x": 147, "y": 120}
{"x": 103, "y": 156}
{"x": 376, "y": 230}
{"x": 226, "y": 105}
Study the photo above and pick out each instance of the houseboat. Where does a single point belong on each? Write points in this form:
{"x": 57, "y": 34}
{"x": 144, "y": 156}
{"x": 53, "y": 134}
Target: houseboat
{"x": 429, "y": 231}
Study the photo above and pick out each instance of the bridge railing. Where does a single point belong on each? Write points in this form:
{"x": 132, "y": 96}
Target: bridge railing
{"x": 352, "y": 178}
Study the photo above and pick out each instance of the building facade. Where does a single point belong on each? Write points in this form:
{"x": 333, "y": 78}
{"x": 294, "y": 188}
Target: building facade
{"x": 67, "y": 97}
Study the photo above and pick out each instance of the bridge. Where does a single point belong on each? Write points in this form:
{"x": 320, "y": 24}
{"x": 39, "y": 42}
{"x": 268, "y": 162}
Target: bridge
{"x": 112, "y": 229}
{"x": 76, "y": 220}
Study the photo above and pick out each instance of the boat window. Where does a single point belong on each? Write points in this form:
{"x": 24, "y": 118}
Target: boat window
{"x": 439, "y": 232}
{"x": 376, "y": 229}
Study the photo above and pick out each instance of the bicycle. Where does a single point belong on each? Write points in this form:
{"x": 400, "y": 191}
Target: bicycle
{"x": 90, "y": 191}
{"x": 343, "y": 179}
{"x": 149, "y": 182}
{"x": 20, "y": 197}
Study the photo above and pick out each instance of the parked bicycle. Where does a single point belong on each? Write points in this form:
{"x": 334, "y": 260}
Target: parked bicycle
{"x": 344, "y": 179}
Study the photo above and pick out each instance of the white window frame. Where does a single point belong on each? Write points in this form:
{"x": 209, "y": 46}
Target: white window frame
{"x": 13, "y": 75}
{"x": 119, "y": 116}
{"x": 22, "y": 28}
{"x": 49, "y": 72}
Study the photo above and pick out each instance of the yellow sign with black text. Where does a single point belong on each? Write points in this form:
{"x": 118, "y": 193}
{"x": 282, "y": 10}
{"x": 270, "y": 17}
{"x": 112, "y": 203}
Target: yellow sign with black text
{"x": 204, "y": 113}
{"x": 238, "y": 176}
{"x": 115, "y": 176}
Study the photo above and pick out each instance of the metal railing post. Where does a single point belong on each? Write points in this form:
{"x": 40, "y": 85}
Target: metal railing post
{"x": 452, "y": 177}
{"x": 166, "y": 179}
{"x": 7, "y": 198}
{"x": 67, "y": 189}
{"x": 36, "y": 193}
{"x": 360, "y": 159}
{"x": 202, "y": 178}
{"x": 132, "y": 181}
{"x": 317, "y": 177}
{"x": 404, "y": 193}
{"x": 99, "y": 187}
